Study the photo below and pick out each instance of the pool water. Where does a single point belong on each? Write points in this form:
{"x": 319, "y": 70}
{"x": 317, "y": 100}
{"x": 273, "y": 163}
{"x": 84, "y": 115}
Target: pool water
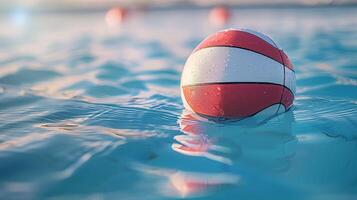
{"x": 93, "y": 112}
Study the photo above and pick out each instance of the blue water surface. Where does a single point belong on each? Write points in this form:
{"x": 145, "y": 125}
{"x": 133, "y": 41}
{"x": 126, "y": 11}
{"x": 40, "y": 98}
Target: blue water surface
{"x": 89, "y": 111}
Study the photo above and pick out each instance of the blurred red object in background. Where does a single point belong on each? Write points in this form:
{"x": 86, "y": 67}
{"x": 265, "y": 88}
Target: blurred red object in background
{"x": 220, "y": 15}
{"x": 115, "y": 16}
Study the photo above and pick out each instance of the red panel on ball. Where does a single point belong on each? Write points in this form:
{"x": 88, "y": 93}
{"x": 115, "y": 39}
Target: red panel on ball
{"x": 233, "y": 100}
{"x": 288, "y": 98}
{"x": 286, "y": 61}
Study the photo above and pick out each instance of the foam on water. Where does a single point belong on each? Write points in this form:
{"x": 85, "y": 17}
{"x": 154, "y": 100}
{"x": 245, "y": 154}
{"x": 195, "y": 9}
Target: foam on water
{"x": 91, "y": 112}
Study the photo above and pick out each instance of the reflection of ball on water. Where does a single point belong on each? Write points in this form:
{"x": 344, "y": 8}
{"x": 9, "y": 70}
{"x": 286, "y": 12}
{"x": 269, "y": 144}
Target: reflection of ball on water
{"x": 236, "y": 74}
{"x": 220, "y": 15}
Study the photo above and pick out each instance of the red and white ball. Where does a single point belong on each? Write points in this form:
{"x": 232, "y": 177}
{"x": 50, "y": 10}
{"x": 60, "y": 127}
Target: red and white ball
{"x": 237, "y": 74}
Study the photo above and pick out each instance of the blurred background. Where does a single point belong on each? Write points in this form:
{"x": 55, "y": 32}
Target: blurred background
{"x": 55, "y": 5}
